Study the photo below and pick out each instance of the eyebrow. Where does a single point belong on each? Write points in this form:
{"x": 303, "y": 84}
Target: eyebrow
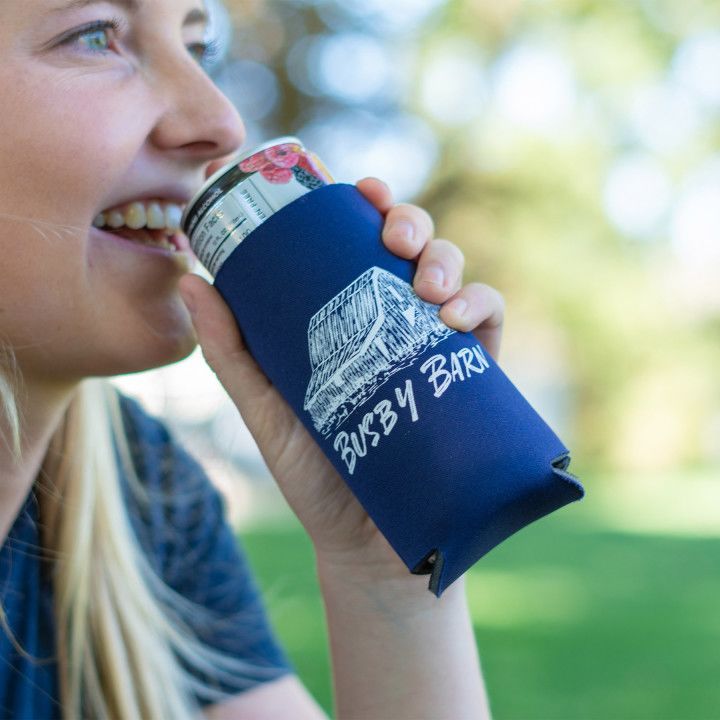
{"x": 194, "y": 17}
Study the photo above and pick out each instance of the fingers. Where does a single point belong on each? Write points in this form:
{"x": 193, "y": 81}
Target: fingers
{"x": 221, "y": 342}
{"x": 479, "y": 309}
{"x": 439, "y": 272}
{"x": 408, "y": 228}
{"x": 409, "y": 233}
{"x": 377, "y": 192}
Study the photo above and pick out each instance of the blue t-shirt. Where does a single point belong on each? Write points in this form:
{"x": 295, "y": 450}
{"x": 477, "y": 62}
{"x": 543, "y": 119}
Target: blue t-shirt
{"x": 187, "y": 540}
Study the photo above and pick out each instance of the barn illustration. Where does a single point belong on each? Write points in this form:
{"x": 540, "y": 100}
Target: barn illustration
{"x": 372, "y": 329}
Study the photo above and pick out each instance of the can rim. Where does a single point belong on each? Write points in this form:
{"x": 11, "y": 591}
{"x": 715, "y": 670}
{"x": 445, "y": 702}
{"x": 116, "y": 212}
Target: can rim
{"x": 234, "y": 162}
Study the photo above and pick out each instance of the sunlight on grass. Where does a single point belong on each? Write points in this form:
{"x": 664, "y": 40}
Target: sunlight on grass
{"x": 682, "y": 505}
{"x": 545, "y": 596}
{"x": 604, "y": 610}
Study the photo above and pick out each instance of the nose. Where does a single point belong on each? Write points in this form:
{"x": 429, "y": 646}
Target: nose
{"x": 199, "y": 122}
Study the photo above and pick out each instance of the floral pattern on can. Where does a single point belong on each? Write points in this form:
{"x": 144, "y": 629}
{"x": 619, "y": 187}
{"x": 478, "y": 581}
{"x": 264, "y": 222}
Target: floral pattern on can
{"x": 281, "y": 163}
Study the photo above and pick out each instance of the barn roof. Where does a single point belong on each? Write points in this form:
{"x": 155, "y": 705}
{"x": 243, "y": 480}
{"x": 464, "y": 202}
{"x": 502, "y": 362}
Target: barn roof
{"x": 334, "y": 362}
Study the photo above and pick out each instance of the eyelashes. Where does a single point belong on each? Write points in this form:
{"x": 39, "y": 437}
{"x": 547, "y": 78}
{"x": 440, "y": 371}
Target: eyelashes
{"x": 208, "y": 52}
{"x": 205, "y": 53}
{"x": 96, "y": 29}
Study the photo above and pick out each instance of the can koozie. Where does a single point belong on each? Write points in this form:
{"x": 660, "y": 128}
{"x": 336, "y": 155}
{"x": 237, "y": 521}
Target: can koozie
{"x": 442, "y": 451}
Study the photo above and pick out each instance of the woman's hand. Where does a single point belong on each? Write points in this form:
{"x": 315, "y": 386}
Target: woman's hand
{"x": 342, "y": 532}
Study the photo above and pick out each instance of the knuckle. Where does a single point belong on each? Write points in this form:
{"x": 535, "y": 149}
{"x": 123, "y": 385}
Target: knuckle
{"x": 459, "y": 254}
{"x": 443, "y": 247}
{"x": 400, "y": 212}
{"x": 475, "y": 287}
{"x": 417, "y": 215}
{"x": 478, "y": 288}
{"x": 436, "y": 247}
{"x": 495, "y": 296}
{"x": 427, "y": 219}
{"x": 456, "y": 251}
{"x": 488, "y": 296}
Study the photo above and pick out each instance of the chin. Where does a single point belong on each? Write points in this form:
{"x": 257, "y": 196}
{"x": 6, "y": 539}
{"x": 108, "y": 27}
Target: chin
{"x": 177, "y": 355}
{"x": 150, "y": 351}
{"x": 169, "y": 351}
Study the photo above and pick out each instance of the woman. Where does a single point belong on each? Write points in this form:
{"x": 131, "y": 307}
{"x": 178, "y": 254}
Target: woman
{"x": 122, "y": 591}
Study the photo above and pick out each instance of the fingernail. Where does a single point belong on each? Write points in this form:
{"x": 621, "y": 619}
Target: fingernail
{"x": 433, "y": 274}
{"x": 402, "y": 229}
{"x": 457, "y": 307}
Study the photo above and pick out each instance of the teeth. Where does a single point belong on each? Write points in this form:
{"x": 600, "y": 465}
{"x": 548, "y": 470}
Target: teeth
{"x": 160, "y": 243}
{"x": 173, "y": 216}
{"x": 152, "y": 215}
{"x": 155, "y": 216}
{"x": 115, "y": 219}
{"x": 155, "y": 238}
{"x": 135, "y": 216}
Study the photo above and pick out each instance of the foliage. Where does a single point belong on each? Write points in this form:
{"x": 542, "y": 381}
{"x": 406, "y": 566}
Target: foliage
{"x": 569, "y": 148}
{"x": 609, "y": 326}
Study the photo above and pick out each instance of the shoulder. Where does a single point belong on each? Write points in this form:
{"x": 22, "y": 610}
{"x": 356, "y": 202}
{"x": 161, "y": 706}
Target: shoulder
{"x": 156, "y": 452}
{"x": 162, "y": 465}
{"x": 172, "y": 504}
{"x": 180, "y": 521}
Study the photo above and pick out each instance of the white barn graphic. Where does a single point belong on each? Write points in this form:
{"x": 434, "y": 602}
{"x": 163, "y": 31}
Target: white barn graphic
{"x": 372, "y": 329}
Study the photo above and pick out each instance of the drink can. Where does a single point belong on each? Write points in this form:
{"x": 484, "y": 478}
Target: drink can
{"x": 438, "y": 446}
{"x": 241, "y": 196}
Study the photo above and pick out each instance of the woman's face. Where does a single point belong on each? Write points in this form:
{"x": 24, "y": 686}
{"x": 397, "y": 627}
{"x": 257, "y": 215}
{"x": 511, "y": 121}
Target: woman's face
{"x": 94, "y": 118}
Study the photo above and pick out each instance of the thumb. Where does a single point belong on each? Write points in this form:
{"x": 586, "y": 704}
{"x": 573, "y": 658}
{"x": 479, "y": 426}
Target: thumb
{"x": 221, "y": 341}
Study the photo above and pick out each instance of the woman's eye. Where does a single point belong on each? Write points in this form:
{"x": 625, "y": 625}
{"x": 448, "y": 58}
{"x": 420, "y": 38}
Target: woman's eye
{"x": 94, "y": 38}
{"x": 205, "y": 53}
{"x": 97, "y": 40}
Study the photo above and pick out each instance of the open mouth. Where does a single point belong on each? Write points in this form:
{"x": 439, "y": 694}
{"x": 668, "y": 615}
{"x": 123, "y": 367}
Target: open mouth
{"x": 149, "y": 222}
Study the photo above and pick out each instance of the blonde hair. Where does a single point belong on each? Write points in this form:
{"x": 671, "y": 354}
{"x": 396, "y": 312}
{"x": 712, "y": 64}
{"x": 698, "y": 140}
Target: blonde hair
{"x": 124, "y": 640}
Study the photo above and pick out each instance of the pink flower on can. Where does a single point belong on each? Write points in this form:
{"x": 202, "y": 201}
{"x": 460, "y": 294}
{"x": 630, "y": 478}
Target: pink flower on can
{"x": 283, "y": 156}
{"x": 277, "y": 175}
{"x": 254, "y": 163}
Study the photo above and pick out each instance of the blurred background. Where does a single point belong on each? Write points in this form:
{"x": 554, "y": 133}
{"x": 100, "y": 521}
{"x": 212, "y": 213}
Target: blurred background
{"x": 570, "y": 148}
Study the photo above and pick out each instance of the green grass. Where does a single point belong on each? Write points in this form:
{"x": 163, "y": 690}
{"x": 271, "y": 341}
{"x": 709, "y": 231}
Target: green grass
{"x": 574, "y": 619}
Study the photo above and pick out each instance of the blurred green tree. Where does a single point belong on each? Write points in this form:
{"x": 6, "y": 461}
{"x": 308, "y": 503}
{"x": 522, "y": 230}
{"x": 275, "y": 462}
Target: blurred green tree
{"x": 567, "y": 147}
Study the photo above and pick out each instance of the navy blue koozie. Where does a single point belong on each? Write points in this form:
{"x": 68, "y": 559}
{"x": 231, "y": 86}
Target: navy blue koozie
{"x": 442, "y": 451}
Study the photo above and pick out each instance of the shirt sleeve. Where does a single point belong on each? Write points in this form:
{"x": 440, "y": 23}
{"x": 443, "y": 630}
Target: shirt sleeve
{"x": 190, "y": 544}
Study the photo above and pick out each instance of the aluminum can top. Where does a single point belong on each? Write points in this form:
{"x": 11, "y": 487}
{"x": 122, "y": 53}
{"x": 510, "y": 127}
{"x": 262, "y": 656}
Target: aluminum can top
{"x": 243, "y": 194}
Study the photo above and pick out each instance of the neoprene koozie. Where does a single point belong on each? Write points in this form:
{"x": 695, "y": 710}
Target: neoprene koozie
{"x": 442, "y": 451}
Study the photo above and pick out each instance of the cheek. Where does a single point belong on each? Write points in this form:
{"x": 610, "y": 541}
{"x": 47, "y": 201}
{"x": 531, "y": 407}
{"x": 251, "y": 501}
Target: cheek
{"x": 39, "y": 297}
{"x": 62, "y": 152}
{"x": 63, "y": 149}
{"x": 64, "y": 319}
